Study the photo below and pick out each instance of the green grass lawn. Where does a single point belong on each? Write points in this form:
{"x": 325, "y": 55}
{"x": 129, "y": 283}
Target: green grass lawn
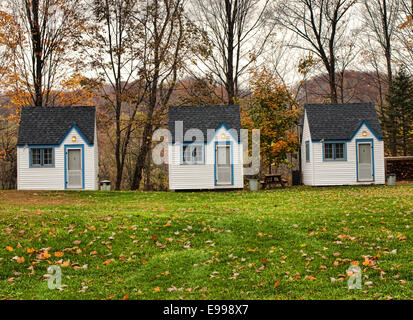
{"x": 295, "y": 243}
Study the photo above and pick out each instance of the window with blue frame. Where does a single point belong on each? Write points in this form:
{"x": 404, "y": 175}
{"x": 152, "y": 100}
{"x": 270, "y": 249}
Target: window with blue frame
{"x": 307, "y": 151}
{"x": 192, "y": 154}
{"x": 41, "y": 157}
{"x": 334, "y": 151}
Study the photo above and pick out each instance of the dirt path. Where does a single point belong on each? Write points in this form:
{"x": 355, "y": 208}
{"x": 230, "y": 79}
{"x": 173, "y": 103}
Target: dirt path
{"x": 14, "y": 197}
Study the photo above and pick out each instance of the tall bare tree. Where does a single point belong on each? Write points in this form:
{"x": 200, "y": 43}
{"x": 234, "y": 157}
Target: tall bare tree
{"x": 7, "y": 32}
{"x": 113, "y": 47}
{"x": 237, "y": 35}
{"x": 381, "y": 18}
{"x": 170, "y": 40}
{"x": 47, "y": 30}
{"x": 405, "y": 34}
{"x": 321, "y": 25}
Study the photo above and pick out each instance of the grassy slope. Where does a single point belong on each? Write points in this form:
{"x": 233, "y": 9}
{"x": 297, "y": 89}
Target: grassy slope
{"x": 209, "y": 245}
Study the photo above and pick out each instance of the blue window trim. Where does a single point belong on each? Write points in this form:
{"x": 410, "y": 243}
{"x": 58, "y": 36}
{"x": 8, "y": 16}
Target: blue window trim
{"x": 215, "y": 160}
{"x": 194, "y": 144}
{"x": 41, "y": 156}
{"x": 333, "y": 142}
{"x": 75, "y": 146}
{"x": 372, "y": 158}
{"x": 307, "y": 151}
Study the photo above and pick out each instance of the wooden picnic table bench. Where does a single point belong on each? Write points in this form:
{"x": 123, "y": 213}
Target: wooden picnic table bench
{"x": 273, "y": 179}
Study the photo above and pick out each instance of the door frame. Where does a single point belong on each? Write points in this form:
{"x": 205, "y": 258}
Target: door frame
{"x": 82, "y": 151}
{"x": 223, "y": 143}
{"x": 365, "y": 141}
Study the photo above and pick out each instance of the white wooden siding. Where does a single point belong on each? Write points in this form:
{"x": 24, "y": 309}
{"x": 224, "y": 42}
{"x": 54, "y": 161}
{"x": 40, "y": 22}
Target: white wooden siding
{"x": 54, "y": 178}
{"x": 201, "y": 176}
{"x": 307, "y": 167}
{"x": 345, "y": 172}
{"x": 96, "y": 160}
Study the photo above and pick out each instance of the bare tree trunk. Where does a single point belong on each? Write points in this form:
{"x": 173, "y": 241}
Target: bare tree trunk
{"x": 148, "y": 186}
{"x": 32, "y": 9}
{"x": 229, "y": 85}
{"x": 143, "y": 153}
{"x": 170, "y": 36}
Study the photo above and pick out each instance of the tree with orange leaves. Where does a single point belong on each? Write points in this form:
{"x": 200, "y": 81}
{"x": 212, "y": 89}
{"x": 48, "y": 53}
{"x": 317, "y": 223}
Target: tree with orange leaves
{"x": 41, "y": 38}
{"x": 271, "y": 109}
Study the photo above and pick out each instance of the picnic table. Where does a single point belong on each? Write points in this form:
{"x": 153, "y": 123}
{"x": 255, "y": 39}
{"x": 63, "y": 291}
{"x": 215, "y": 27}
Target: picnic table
{"x": 273, "y": 179}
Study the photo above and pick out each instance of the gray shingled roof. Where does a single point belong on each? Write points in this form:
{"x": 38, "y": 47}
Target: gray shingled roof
{"x": 340, "y": 121}
{"x": 48, "y": 125}
{"x": 204, "y": 118}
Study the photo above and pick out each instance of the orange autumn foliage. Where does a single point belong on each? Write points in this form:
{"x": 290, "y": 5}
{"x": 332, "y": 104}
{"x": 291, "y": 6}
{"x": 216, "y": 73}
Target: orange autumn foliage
{"x": 272, "y": 110}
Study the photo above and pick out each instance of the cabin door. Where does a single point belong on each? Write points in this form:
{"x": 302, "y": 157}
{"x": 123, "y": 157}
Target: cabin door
{"x": 365, "y": 165}
{"x": 74, "y": 169}
{"x": 223, "y": 164}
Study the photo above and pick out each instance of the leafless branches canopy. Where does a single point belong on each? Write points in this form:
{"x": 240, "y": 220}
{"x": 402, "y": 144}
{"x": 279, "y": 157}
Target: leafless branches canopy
{"x": 321, "y": 24}
{"x": 237, "y": 31}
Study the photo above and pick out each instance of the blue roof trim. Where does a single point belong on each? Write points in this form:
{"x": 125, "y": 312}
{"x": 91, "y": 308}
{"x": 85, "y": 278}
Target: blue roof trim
{"x": 364, "y": 122}
{"x": 64, "y": 137}
{"x": 223, "y": 124}
{"x": 80, "y": 134}
{"x": 369, "y": 127}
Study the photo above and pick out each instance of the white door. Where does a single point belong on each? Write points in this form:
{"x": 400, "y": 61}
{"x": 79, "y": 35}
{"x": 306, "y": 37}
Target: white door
{"x": 365, "y": 167}
{"x": 74, "y": 169}
{"x": 223, "y": 164}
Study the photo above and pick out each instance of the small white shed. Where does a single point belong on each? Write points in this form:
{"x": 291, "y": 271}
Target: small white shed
{"x": 57, "y": 149}
{"x": 205, "y": 151}
{"x": 342, "y": 144}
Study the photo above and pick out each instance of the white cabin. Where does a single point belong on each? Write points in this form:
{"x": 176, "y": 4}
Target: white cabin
{"x": 341, "y": 144}
{"x": 57, "y": 149}
{"x": 205, "y": 151}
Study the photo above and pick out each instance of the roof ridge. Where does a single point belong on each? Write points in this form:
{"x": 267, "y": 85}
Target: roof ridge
{"x": 339, "y": 120}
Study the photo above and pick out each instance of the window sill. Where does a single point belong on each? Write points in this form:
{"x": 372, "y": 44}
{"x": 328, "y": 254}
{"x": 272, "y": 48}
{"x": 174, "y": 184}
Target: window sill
{"x": 41, "y": 167}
